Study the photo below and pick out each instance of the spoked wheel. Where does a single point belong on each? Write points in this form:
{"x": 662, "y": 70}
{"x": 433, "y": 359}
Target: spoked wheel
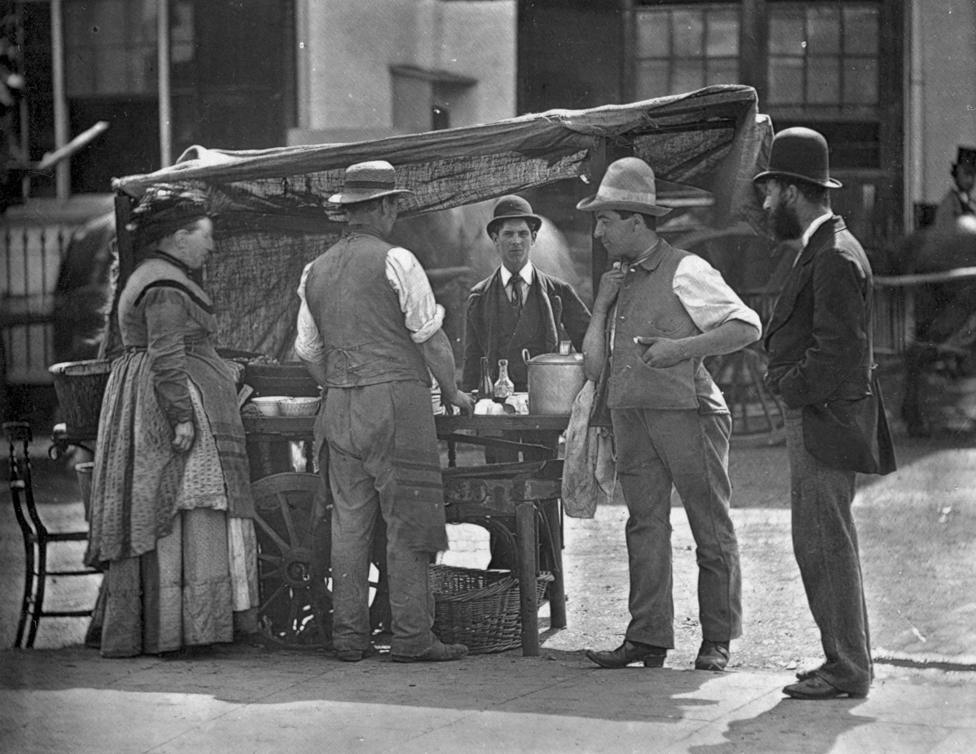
{"x": 293, "y": 525}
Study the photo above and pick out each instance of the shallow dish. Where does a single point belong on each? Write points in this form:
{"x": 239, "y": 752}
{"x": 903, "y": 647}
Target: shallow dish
{"x": 298, "y": 405}
{"x": 269, "y": 405}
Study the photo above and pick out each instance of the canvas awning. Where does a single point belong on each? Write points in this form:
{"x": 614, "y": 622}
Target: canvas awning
{"x": 273, "y": 205}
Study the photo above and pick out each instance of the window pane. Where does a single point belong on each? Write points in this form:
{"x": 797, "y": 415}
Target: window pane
{"x": 786, "y": 34}
{"x": 688, "y": 75}
{"x": 823, "y": 31}
{"x": 652, "y": 79}
{"x": 861, "y": 30}
{"x": 722, "y": 71}
{"x": 823, "y": 81}
{"x": 723, "y": 34}
{"x": 653, "y": 34}
{"x": 861, "y": 81}
{"x": 785, "y": 80}
{"x": 688, "y": 32}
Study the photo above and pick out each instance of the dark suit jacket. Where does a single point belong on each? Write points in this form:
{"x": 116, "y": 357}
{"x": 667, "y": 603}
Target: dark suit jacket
{"x": 820, "y": 356}
{"x": 565, "y": 313}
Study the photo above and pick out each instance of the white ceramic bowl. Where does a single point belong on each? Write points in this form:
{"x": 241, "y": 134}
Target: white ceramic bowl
{"x": 299, "y": 405}
{"x": 268, "y": 405}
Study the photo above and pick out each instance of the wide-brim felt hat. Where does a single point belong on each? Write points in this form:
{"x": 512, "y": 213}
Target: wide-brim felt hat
{"x": 513, "y": 207}
{"x": 800, "y": 154}
{"x": 627, "y": 185}
{"x": 367, "y": 180}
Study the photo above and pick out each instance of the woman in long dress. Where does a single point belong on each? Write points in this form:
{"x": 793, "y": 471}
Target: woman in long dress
{"x": 171, "y": 520}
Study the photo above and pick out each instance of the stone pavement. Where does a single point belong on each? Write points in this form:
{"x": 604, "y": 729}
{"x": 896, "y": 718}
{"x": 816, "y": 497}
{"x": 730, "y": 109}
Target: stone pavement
{"x": 918, "y": 538}
{"x": 244, "y": 699}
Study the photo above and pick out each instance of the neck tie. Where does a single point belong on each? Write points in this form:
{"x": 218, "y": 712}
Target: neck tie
{"x": 515, "y": 283}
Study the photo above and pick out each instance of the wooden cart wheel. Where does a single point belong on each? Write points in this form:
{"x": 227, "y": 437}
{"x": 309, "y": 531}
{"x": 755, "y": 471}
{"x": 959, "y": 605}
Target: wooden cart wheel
{"x": 293, "y": 526}
{"x": 740, "y": 377}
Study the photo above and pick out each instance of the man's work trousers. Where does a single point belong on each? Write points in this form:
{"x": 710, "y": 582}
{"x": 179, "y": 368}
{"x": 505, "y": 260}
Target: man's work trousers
{"x": 655, "y": 450}
{"x": 825, "y": 545}
{"x": 361, "y": 453}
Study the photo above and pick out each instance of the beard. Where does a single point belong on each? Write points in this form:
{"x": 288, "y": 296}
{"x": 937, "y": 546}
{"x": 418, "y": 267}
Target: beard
{"x": 785, "y": 223}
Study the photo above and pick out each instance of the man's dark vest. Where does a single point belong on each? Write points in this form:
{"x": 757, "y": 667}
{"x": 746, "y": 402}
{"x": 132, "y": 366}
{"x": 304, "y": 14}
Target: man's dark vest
{"x": 358, "y": 315}
{"x": 648, "y": 306}
{"x": 514, "y": 334}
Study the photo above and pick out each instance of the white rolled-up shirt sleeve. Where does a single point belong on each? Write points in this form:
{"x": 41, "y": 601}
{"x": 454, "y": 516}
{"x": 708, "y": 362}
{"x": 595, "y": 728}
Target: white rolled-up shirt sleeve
{"x": 707, "y": 298}
{"x": 422, "y": 315}
{"x": 308, "y": 340}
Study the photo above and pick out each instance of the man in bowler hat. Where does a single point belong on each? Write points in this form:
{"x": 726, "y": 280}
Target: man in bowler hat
{"x": 518, "y": 306}
{"x": 821, "y": 365}
{"x": 658, "y": 313}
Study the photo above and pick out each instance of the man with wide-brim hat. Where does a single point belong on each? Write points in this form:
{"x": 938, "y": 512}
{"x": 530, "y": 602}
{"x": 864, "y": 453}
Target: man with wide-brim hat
{"x": 658, "y": 313}
{"x": 369, "y": 332}
{"x": 518, "y": 306}
{"x": 821, "y": 365}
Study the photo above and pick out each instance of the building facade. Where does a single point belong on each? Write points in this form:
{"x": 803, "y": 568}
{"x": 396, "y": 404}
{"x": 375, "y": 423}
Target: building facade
{"x": 888, "y": 81}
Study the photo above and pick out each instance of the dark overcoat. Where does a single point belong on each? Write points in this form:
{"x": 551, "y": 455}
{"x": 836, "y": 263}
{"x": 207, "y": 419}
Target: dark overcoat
{"x": 820, "y": 354}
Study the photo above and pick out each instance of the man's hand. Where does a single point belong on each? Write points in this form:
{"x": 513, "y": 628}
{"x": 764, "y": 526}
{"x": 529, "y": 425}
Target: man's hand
{"x": 661, "y": 352}
{"x": 609, "y": 288}
{"x": 463, "y": 401}
{"x": 183, "y": 436}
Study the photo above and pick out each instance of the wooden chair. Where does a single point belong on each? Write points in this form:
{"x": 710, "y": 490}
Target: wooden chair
{"x": 37, "y": 538}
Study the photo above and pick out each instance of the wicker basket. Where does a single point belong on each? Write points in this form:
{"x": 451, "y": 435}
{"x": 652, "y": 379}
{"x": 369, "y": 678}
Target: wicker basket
{"x": 479, "y": 609}
{"x": 80, "y": 386}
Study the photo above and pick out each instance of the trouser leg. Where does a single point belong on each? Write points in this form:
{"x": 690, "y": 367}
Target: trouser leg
{"x": 825, "y": 546}
{"x": 646, "y": 486}
{"x": 699, "y": 465}
{"x": 354, "y": 511}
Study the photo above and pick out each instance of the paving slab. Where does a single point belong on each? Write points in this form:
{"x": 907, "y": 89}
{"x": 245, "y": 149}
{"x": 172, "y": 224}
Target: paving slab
{"x": 248, "y": 701}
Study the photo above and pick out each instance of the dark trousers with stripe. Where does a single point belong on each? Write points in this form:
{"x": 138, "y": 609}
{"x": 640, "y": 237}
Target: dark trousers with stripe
{"x": 383, "y": 461}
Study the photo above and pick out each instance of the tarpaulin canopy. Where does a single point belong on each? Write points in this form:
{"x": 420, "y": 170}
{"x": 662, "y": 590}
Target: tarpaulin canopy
{"x": 274, "y": 216}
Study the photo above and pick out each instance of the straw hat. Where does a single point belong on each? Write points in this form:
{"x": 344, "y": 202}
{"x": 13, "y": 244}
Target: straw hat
{"x": 629, "y": 185}
{"x": 801, "y": 154}
{"x": 367, "y": 180}
{"x": 513, "y": 207}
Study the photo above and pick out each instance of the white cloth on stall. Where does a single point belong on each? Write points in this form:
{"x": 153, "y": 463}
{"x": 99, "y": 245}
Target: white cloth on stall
{"x": 589, "y": 469}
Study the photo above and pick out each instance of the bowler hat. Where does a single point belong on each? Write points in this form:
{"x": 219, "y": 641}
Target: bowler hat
{"x": 513, "y": 207}
{"x": 629, "y": 185}
{"x": 367, "y": 180}
{"x": 966, "y": 156}
{"x": 801, "y": 154}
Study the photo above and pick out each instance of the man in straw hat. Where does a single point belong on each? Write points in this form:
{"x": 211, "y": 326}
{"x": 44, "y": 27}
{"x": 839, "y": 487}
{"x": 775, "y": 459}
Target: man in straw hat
{"x": 821, "y": 365}
{"x": 658, "y": 312}
{"x": 369, "y": 331}
{"x": 518, "y": 306}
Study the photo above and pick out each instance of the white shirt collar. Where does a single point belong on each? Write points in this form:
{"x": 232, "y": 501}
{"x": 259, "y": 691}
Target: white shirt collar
{"x": 813, "y": 227}
{"x": 525, "y": 273}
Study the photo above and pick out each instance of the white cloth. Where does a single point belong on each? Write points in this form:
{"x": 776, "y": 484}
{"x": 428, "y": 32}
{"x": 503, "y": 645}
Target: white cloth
{"x": 422, "y": 315}
{"x": 589, "y": 469}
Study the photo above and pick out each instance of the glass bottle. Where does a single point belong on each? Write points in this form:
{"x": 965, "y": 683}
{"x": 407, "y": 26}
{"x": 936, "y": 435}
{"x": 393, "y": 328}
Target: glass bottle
{"x": 484, "y": 388}
{"x": 503, "y": 386}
